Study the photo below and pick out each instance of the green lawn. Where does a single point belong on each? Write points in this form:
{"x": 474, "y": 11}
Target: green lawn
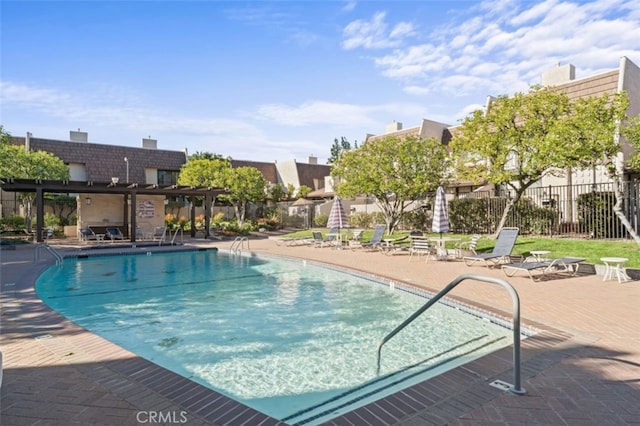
{"x": 591, "y": 250}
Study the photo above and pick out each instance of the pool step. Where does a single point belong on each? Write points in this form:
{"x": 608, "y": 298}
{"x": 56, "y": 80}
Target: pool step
{"x": 381, "y": 386}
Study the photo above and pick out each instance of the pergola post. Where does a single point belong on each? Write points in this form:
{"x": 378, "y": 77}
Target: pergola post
{"x": 39, "y": 214}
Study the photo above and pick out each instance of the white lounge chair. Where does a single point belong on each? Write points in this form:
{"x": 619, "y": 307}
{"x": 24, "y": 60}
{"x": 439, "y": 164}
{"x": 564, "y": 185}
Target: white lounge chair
{"x": 501, "y": 251}
{"x": 376, "y": 239}
{"x": 560, "y": 265}
{"x": 422, "y": 246}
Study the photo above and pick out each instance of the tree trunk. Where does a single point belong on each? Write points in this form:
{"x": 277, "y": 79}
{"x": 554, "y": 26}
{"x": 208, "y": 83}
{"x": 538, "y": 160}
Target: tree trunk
{"x": 617, "y": 209}
{"x": 505, "y": 214}
{"x": 27, "y": 200}
{"x": 240, "y": 209}
{"x": 510, "y": 203}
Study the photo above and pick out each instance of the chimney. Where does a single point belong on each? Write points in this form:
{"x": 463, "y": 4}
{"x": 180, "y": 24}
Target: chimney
{"x": 27, "y": 142}
{"x": 312, "y": 159}
{"x": 149, "y": 143}
{"x": 394, "y": 127}
{"x": 78, "y": 136}
{"x": 558, "y": 75}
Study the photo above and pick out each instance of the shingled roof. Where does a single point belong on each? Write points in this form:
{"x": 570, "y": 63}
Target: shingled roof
{"x": 104, "y": 161}
{"x": 268, "y": 170}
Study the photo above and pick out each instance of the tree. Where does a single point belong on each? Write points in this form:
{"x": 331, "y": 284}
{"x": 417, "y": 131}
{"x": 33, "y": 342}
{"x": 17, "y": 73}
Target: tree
{"x": 244, "y": 185}
{"x": 303, "y": 191}
{"x": 204, "y": 172}
{"x": 290, "y": 191}
{"x": 392, "y": 170}
{"x": 209, "y": 172}
{"x": 17, "y": 162}
{"x": 593, "y": 132}
{"x": 631, "y": 132}
{"x": 277, "y": 193}
{"x": 338, "y": 148}
{"x": 207, "y": 156}
{"x": 514, "y": 143}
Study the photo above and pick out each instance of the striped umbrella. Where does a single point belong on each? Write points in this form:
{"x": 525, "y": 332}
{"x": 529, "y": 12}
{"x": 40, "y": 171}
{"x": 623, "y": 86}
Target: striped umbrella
{"x": 337, "y": 216}
{"x": 440, "y": 222}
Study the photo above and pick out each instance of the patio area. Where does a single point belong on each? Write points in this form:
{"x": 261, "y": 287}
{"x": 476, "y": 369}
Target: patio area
{"x": 582, "y": 369}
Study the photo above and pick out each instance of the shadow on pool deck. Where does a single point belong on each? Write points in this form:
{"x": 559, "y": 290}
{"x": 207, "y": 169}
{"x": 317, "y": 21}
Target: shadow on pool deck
{"x": 582, "y": 368}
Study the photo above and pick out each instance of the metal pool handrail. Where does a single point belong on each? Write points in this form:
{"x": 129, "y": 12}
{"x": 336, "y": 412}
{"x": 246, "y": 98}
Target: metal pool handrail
{"x": 51, "y": 250}
{"x": 238, "y": 244}
{"x": 515, "y": 388}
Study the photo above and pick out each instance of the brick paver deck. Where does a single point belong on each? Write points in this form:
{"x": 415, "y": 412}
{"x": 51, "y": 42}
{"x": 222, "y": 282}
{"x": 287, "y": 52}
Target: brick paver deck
{"x": 582, "y": 368}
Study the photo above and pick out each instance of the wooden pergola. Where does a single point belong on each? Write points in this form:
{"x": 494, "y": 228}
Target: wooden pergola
{"x": 129, "y": 191}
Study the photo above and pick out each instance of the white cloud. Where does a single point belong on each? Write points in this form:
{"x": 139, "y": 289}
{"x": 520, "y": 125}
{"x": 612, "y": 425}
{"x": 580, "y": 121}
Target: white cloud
{"x": 102, "y": 109}
{"x": 349, "y": 6}
{"x": 373, "y": 34}
{"x": 504, "y": 45}
{"x": 537, "y": 11}
{"x": 317, "y": 112}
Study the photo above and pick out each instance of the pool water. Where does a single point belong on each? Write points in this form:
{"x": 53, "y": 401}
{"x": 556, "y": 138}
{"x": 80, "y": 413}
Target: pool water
{"x": 290, "y": 338}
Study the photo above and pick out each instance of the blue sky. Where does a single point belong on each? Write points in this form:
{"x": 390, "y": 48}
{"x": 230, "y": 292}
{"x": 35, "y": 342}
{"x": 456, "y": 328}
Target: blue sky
{"x": 269, "y": 81}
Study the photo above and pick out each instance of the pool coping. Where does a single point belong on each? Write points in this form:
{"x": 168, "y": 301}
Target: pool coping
{"x": 440, "y": 399}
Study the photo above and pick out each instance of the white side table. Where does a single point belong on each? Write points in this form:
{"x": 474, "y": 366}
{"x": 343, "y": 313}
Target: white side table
{"x": 539, "y": 255}
{"x": 614, "y": 267}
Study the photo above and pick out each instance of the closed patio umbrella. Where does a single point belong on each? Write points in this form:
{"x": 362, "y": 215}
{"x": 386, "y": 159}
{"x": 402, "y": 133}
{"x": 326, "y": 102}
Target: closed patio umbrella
{"x": 440, "y": 222}
{"x": 337, "y": 216}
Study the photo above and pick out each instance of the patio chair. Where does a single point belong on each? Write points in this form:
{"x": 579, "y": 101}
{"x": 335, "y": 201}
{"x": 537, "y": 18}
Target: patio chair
{"x": 114, "y": 234}
{"x": 466, "y": 247}
{"x": 501, "y": 251}
{"x": 140, "y": 234}
{"x": 159, "y": 233}
{"x": 560, "y": 265}
{"x": 87, "y": 234}
{"x": 422, "y": 246}
{"x": 376, "y": 239}
{"x": 397, "y": 245}
{"x": 329, "y": 240}
{"x": 356, "y": 238}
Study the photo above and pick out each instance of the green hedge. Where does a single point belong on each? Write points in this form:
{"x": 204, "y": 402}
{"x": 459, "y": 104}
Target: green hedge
{"x": 482, "y": 215}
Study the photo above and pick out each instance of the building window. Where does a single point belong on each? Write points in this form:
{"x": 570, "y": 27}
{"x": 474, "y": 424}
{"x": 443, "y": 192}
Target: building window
{"x": 167, "y": 177}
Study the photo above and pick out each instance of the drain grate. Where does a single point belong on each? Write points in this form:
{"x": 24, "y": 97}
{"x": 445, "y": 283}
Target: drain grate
{"x": 501, "y": 385}
{"x": 43, "y": 337}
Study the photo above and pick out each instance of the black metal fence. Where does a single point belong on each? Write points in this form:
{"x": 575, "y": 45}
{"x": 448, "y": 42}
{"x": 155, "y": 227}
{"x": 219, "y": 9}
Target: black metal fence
{"x": 579, "y": 211}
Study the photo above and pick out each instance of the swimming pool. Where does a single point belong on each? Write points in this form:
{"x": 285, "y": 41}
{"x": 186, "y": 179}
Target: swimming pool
{"x": 289, "y": 338}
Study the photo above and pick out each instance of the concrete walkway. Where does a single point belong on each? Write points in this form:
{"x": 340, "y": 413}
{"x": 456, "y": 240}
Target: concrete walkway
{"x": 582, "y": 368}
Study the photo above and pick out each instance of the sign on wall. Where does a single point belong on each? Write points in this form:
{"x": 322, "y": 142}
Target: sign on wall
{"x": 146, "y": 209}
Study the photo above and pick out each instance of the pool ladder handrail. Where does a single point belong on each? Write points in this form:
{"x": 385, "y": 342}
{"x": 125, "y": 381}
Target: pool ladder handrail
{"x": 238, "y": 244}
{"x": 173, "y": 239}
{"x": 51, "y": 250}
{"x": 515, "y": 388}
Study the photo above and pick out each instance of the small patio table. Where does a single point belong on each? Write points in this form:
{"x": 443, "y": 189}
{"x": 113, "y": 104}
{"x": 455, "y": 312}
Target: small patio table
{"x": 539, "y": 255}
{"x": 442, "y": 253}
{"x": 614, "y": 266}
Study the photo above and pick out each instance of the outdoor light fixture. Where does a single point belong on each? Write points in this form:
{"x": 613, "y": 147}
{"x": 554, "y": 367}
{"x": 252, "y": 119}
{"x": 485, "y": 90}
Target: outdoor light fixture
{"x": 87, "y": 200}
{"x": 115, "y": 180}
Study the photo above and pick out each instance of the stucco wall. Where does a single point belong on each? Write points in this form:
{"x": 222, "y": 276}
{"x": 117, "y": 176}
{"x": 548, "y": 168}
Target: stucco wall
{"x": 108, "y": 210}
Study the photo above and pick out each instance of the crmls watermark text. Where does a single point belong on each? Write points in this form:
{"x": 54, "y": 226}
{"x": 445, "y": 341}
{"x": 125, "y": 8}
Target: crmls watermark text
{"x": 167, "y": 417}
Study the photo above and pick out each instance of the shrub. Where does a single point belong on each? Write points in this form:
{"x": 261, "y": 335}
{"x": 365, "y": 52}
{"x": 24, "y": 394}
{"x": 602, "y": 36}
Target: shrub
{"x": 417, "y": 219}
{"x": 51, "y": 220}
{"x": 170, "y": 221}
{"x": 217, "y": 219}
{"x": 321, "y": 220}
{"x": 14, "y": 222}
{"x": 360, "y": 220}
{"x": 596, "y": 217}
